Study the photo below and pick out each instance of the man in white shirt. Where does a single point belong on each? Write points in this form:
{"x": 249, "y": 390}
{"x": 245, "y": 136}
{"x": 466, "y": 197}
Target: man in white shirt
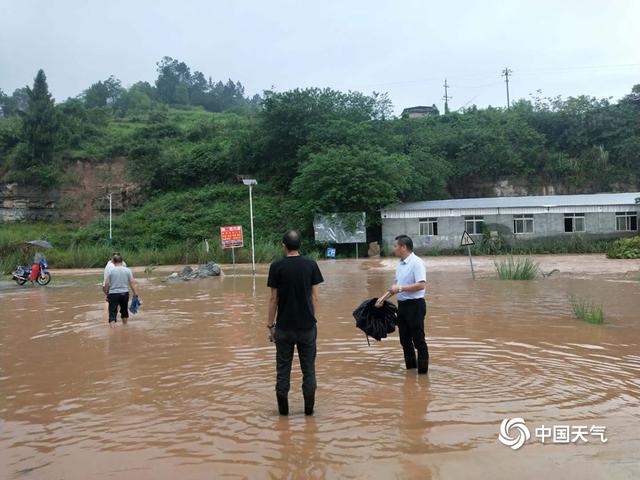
{"x": 110, "y": 265}
{"x": 116, "y": 287}
{"x": 411, "y": 278}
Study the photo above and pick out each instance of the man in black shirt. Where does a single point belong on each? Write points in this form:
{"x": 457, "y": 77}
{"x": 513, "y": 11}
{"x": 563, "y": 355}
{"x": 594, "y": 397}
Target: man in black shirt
{"x": 294, "y": 283}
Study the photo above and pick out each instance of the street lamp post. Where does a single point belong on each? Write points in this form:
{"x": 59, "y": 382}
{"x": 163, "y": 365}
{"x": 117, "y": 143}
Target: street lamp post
{"x": 250, "y": 182}
{"x": 110, "y": 220}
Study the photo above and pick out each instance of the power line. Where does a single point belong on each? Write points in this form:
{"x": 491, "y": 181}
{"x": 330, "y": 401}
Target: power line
{"x": 505, "y": 73}
{"x": 467, "y": 103}
{"x": 538, "y": 71}
{"x": 579, "y": 67}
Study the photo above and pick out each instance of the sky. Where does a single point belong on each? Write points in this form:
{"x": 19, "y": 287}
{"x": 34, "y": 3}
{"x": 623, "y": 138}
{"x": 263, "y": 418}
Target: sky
{"x": 404, "y": 47}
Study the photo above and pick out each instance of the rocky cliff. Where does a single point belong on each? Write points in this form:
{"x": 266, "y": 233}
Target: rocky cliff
{"x": 80, "y": 199}
{"x": 517, "y": 188}
{"x": 85, "y": 195}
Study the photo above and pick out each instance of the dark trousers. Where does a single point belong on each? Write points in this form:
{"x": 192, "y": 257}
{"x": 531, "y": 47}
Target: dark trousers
{"x": 411, "y": 315}
{"x": 118, "y": 300}
{"x": 305, "y": 341}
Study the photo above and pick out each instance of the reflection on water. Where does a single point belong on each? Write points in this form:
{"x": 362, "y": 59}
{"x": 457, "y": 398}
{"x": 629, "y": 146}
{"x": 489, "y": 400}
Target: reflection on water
{"x": 187, "y": 388}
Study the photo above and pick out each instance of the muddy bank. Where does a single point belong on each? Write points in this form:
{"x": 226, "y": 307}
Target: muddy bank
{"x": 596, "y": 264}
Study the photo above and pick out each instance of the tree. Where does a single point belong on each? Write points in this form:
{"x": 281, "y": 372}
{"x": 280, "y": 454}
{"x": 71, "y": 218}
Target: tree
{"x": 74, "y": 122}
{"x": 10, "y": 130}
{"x": 96, "y": 95}
{"x": 218, "y": 96}
{"x": 634, "y": 97}
{"x": 288, "y": 119}
{"x": 176, "y": 85}
{"x": 105, "y": 93}
{"x": 343, "y": 179}
{"x": 255, "y": 102}
{"x": 173, "y": 81}
{"x": 198, "y": 89}
{"x": 3, "y": 101}
{"x": 40, "y": 123}
{"x": 430, "y": 180}
{"x": 137, "y": 99}
{"x": 16, "y": 103}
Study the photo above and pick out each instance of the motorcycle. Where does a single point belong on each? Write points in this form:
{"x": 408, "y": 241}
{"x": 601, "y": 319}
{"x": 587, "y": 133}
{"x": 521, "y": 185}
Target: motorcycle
{"x": 22, "y": 274}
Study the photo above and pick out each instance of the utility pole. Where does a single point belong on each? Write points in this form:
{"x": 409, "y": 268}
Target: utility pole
{"x": 446, "y": 97}
{"x": 505, "y": 73}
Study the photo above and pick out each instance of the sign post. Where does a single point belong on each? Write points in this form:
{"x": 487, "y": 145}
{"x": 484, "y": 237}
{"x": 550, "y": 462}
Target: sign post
{"x": 231, "y": 237}
{"x": 467, "y": 241}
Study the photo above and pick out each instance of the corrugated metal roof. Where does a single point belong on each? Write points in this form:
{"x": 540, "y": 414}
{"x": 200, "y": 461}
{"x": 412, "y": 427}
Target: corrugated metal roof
{"x": 533, "y": 201}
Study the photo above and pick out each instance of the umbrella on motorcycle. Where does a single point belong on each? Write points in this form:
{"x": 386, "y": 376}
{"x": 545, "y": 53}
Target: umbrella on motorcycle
{"x": 376, "y": 322}
{"x": 36, "y": 243}
{"x": 38, "y": 271}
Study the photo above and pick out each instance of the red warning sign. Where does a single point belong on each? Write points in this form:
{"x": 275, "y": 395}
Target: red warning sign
{"x": 231, "y": 236}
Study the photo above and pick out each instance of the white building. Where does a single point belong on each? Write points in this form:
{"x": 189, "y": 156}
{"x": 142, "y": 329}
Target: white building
{"x": 440, "y": 223}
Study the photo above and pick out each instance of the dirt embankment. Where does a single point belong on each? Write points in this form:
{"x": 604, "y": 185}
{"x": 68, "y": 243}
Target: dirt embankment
{"x": 82, "y": 196}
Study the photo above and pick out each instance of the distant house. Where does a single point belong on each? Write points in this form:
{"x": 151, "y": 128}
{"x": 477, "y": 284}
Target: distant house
{"x": 420, "y": 111}
{"x": 440, "y": 223}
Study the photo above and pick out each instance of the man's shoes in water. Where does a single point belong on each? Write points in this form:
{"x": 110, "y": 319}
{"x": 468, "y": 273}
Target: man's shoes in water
{"x": 423, "y": 366}
{"x": 283, "y": 405}
{"x": 410, "y": 363}
{"x": 309, "y": 402}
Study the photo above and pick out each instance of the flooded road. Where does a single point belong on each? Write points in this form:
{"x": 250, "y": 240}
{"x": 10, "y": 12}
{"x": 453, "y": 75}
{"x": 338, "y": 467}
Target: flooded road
{"x": 186, "y": 390}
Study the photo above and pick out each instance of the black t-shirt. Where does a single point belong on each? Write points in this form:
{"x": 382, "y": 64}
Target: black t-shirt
{"x": 294, "y": 278}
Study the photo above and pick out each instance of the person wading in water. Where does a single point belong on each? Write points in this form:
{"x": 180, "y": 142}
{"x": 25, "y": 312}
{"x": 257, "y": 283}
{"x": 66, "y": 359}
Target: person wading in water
{"x": 411, "y": 278}
{"x": 116, "y": 286}
{"x": 292, "y": 319}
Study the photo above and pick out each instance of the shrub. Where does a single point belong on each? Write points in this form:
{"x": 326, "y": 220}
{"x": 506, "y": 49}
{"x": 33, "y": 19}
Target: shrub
{"x": 625, "y": 248}
{"x": 523, "y": 268}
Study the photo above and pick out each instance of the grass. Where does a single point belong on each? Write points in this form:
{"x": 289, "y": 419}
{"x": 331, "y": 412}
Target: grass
{"x": 500, "y": 244}
{"x": 116, "y": 135}
{"x": 68, "y": 252}
{"x": 523, "y": 268}
{"x": 186, "y": 253}
{"x": 587, "y": 310}
{"x": 572, "y": 245}
{"x": 60, "y": 235}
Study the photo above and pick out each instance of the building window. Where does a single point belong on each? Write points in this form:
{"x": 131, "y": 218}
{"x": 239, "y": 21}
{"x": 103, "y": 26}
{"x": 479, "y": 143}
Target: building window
{"x": 428, "y": 227}
{"x": 523, "y": 224}
{"x": 574, "y": 222}
{"x": 626, "y": 221}
{"x": 473, "y": 225}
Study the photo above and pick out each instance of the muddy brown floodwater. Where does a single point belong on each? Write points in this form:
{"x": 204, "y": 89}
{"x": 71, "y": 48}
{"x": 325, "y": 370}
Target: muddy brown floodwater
{"x": 186, "y": 390}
